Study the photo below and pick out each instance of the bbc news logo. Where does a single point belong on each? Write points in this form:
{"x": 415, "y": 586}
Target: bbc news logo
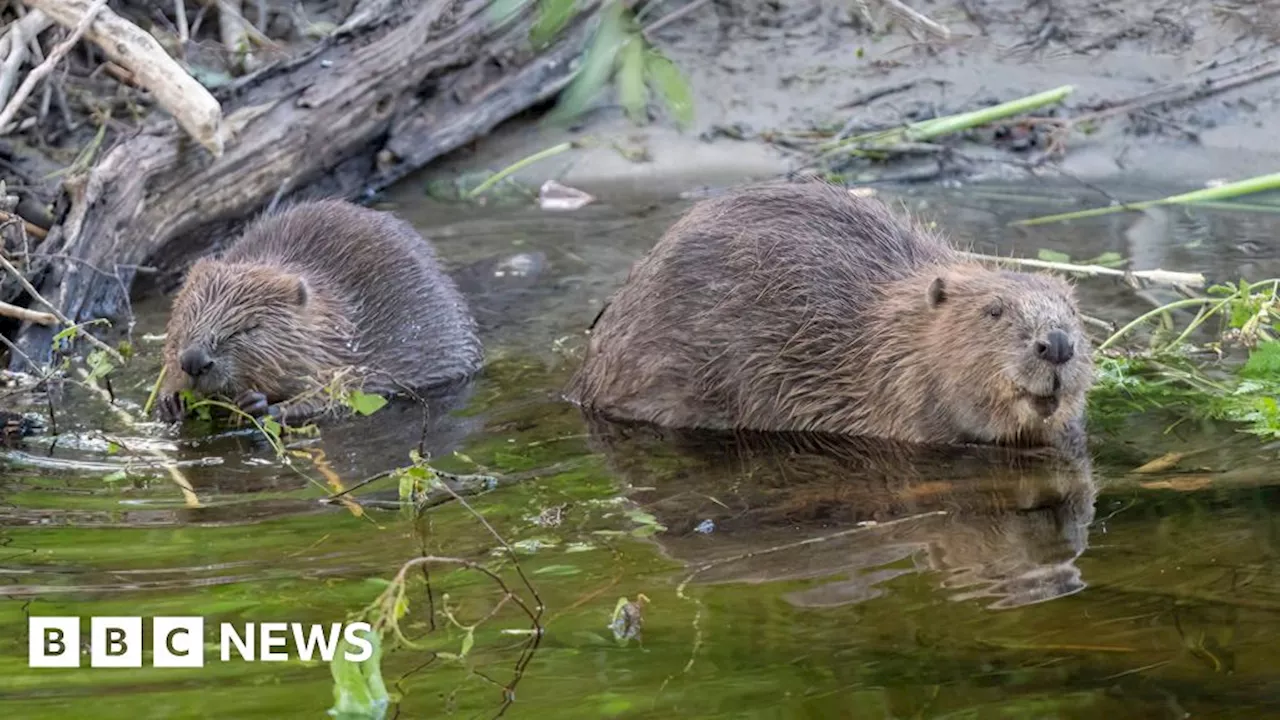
{"x": 178, "y": 642}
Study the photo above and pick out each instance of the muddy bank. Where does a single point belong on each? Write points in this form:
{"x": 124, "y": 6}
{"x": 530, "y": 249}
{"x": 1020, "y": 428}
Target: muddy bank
{"x": 764, "y": 74}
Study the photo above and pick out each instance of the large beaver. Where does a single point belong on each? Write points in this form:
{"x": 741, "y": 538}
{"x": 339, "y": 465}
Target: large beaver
{"x": 316, "y": 289}
{"x": 802, "y": 307}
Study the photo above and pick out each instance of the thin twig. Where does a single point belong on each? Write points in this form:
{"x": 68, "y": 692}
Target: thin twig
{"x": 26, "y": 315}
{"x": 168, "y": 463}
{"x": 671, "y": 17}
{"x": 35, "y": 294}
{"x": 13, "y": 61}
{"x": 514, "y": 560}
{"x": 35, "y": 76}
{"x": 180, "y": 13}
{"x": 31, "y": 228}
{"x": 170, "y": 85}
{"x": 916, "y": 18}
{"x": 31, "y": 25}
{"x": 1186, "y": 91}
{"x": 17, "y": 351}
{"x": 1159, "y": 277}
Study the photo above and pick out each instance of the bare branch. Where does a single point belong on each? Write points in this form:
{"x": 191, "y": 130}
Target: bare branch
{"x": 44, "y": 68}
{"x": 131, "y": 47}
{"x": 21, "y": 313}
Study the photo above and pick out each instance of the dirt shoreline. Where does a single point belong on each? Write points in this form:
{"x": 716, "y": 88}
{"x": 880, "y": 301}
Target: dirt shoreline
{"x": 776, "y": 68}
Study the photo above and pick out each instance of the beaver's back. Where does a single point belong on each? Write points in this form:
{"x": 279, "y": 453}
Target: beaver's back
{"x": 411, "y": 322}
{"x": 796, "y": 264}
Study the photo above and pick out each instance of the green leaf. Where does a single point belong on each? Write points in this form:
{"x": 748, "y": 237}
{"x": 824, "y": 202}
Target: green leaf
{"x": 116, "y": 476}
{"x": 270, "y": 426}
{"x": 358, "y": 690}
{"x": 99, "y": 365}
{"x": 632, "y": 92}
{"x": 1263, "y": 363}
{"x": 1053, "y": 256}
{"x": 407, "y": 485}
{"x": 70, "y": 332}
{"x": 671, "y": 84}
{"x": 553, "y": 15}
{"x": 1108, "y": 259}
{"x": 365, "y": 403}
{"x": 597, "y": 63}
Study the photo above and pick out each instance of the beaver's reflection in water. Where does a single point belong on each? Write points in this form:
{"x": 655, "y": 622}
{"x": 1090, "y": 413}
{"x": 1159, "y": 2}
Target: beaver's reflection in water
{"x": 998, "y": 524}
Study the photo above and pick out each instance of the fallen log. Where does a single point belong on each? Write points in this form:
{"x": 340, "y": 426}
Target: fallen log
{"x": 398, "y": 85}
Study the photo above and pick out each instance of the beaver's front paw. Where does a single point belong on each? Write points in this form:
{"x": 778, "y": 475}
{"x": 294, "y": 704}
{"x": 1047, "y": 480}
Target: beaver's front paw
{"x": 254, "y": 403}
{"x": 170, "y": 408}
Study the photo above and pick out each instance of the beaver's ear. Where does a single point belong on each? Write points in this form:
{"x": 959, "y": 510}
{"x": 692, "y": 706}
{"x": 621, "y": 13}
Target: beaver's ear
{"x": 937, "y": 292}
{"x": 300, "y": 292}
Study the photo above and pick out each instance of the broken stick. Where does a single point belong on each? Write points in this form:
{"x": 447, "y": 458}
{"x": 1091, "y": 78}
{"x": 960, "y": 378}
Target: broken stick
{"x": 43, "y": 69}
{"x": 129, "y": 46}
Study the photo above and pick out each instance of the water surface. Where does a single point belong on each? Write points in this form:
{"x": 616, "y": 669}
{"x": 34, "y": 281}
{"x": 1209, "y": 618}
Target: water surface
{"x": 782, "y": 580}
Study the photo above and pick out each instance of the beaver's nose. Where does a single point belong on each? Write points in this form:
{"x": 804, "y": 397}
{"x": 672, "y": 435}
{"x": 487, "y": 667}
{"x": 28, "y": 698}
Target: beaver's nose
{"x": 195, "y": 361}
{"x": 1056, "y": 347}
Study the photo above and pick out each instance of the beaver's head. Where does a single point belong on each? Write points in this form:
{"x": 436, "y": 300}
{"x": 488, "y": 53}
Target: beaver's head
{"x": 242, "y": 326}
{"x": 1018, "y": 353}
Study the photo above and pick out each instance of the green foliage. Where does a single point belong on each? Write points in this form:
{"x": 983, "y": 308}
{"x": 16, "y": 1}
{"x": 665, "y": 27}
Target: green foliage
{"x": 364, "y": 403}
{"x": 1227, "y": 191}
{"x": 1263, "y": 363}
{"x": 632, "y": 92}
{"x": 1250, "y": 310}
{"x": 553, "y": 15}
{"x": 100, "y": 365}
{"x": 358, "y": 690}
{"x": 1165, "y": 376}
{"x": 1246, "y": 397}
{"x": 618, "y": 51}
{"x": 671, "y": 85}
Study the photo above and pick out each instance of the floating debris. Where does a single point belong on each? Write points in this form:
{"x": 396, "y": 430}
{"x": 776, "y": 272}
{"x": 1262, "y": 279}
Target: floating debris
{"x": 628, "y": 618}
{"x": 554, "y": 196}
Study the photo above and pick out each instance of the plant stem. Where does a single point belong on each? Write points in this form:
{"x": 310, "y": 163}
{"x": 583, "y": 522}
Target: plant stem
{"x": 1248, "y": 186}
{"x": 519, "y": 164}
{"x": 1188, "y": 302}
{"x": 155, "y": 390}
{"x": 929, "y": 129}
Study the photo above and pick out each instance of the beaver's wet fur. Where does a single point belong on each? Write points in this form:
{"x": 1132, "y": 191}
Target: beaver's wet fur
{"x": 801, "y": 307}
{"x": 318, "y": 288}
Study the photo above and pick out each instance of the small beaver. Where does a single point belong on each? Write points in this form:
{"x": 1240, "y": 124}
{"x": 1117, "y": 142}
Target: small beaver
{"x": 802, "y": 307}
{"x": 307, "y": 292}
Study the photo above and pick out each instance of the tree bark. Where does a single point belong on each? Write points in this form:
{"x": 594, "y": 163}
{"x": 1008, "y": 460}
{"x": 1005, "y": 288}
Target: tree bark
{"x": 398, "y": 85}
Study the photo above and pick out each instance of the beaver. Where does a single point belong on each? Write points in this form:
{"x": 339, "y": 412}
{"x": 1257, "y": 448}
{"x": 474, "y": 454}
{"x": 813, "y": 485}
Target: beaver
{"x": 801, "y": 307}
{"x": 308, "y": 291}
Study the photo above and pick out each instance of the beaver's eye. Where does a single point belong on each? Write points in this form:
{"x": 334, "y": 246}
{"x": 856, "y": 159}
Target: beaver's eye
{"x": 242, "y": 331}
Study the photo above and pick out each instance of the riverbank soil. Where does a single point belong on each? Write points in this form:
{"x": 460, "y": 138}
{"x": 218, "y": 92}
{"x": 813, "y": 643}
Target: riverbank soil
{"x": 1180, "y": 92}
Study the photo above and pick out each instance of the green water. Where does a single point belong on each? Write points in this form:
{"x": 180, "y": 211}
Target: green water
{"x": 846, "y": 585}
